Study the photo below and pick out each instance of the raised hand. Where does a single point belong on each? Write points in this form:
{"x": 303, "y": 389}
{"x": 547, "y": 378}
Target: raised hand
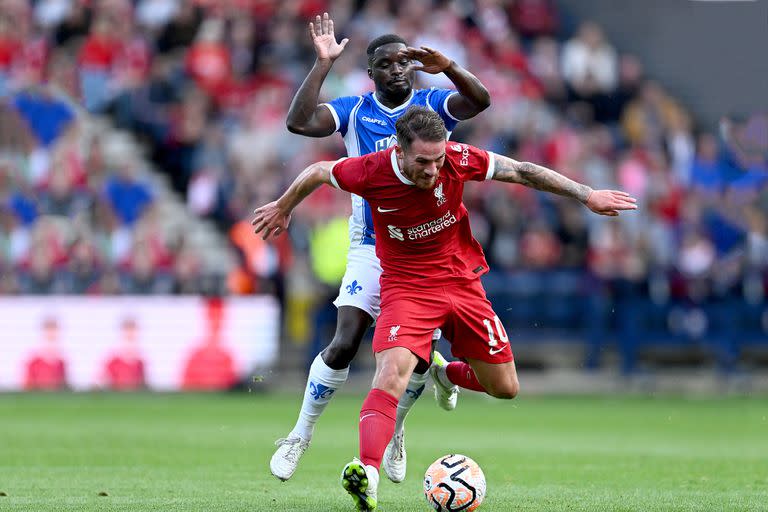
{"x": 270, "y": 219}
{"x": 610, "y": 202}
{"x": 432, "y": 61}
{"x": 321, "y": 31}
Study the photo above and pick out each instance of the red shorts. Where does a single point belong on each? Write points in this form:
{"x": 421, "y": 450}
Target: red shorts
{"x": 410, "y": 316}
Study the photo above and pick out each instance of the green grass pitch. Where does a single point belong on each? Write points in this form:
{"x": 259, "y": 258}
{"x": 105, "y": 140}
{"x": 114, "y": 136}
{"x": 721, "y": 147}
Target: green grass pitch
{"x": 108, "y": 452}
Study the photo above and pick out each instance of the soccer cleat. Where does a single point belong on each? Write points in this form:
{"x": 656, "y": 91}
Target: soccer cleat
{"x": 286, "y": 457}
{"x": 446, "y": 396}
{"x": 361, "y": 482}
{"x": 394, "y": 458}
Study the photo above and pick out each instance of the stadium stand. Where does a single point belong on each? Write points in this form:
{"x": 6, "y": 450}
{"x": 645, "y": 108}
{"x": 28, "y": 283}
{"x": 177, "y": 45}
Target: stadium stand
{"x": 137, "y": 136}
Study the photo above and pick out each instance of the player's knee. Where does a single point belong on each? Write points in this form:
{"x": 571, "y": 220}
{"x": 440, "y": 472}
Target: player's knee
{"x": 505, "y": 390}
{"x": 391, "y": 379}
{"x": 341, "y": 351}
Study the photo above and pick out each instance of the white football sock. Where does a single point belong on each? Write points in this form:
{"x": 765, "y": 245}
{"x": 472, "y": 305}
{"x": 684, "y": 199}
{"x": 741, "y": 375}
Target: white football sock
{"x": 322, "y": 383}
{"x": 412, "y": 393}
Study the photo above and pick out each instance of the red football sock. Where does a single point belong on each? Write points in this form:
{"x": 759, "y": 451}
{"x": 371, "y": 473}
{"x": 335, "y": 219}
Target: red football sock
{"x": 463, "y": 375}
{"x": 377, "y": 424}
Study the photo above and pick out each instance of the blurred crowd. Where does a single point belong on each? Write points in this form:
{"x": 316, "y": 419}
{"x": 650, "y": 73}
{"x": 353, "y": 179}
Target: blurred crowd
{"x": 206, "y": 86}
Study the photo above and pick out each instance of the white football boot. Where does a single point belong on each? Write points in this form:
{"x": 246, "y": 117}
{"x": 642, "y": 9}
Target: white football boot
{"x": 446, "y": 396}
{"x": 286, "y": 458}
{"x": 361, "y": 482}
{"x": 394, "y": 461}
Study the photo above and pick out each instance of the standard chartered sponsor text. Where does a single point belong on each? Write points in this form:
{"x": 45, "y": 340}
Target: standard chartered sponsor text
{"x": 431, "y": 227}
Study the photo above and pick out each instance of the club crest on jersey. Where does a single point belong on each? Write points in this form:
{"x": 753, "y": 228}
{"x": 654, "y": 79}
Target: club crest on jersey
{"x": 383, "y": 144}
{"x": 457, "y": 148}
{"x": 393, "y": 333}
{"x": 439, "y": 195}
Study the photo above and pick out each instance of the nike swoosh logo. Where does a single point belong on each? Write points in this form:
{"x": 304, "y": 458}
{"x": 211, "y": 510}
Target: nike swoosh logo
{"x": 493, "y": 352}
{"x": 361, "y": 419}
{"x": 387, "y": 210}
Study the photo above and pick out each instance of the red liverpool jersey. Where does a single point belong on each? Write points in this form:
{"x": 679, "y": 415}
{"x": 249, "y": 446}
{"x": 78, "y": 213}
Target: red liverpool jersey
{"x": 423, "y": 237}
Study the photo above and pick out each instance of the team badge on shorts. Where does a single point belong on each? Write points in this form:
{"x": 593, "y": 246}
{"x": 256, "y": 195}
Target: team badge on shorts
{"x": 353, "y": 288}
{"x": 393, "y": 333}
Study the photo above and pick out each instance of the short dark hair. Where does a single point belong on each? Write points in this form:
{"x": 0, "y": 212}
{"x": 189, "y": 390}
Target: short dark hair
{"x": 419, "y": 123}
{"x": 381, "y": 41}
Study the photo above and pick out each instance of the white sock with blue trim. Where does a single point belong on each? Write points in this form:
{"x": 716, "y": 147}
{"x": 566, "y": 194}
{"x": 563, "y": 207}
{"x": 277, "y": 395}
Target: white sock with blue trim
{"x": 322, "y": 383}
{"x": 412, "y": 393}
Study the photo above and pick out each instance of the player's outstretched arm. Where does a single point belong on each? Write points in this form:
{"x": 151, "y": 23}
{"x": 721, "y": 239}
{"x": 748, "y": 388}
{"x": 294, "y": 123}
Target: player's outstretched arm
{"x": 473, "y": 97}
{"x": 603, "y": 202}
{"x": 273, "y": 218}
{"x": 305, "y": 116}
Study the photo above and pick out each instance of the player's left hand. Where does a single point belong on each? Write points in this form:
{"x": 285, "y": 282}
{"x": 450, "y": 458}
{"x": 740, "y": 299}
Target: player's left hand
{"x": 610, "y": 202}
{"x": 270, "y": 219}
{"x": 432, "y": 61}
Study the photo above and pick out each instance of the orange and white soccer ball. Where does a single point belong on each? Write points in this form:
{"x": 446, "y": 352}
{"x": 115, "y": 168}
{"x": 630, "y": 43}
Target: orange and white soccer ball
{"x": 454, "y": 482}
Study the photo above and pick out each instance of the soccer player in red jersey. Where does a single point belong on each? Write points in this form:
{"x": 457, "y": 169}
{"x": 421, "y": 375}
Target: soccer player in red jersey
{"x": 431, "y": 267}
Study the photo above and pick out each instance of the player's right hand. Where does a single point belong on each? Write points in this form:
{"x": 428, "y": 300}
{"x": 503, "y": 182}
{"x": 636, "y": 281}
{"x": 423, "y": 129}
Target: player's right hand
{"x": 271, "y": 219}
{"x": 321, "y": 31}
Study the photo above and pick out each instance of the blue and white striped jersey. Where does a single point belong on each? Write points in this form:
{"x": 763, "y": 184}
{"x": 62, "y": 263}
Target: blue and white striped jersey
{"x": 368, "y": 126}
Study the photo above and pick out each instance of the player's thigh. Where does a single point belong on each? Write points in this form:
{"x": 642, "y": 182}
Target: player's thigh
{"x": 360, "y": 286}
{"x": 408, "y": 319}
{"x": 498, "y": 379}
{"x": 473, "y": 328}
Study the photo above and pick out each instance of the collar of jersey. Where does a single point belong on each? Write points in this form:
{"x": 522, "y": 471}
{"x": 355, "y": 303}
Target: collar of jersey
{"x": 396, "y": 168}
{"x": 392, "y": 110}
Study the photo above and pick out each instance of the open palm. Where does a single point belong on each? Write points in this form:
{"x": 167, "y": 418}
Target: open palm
{"x": 324, "y": 39}
{"x": 431, "y": 60}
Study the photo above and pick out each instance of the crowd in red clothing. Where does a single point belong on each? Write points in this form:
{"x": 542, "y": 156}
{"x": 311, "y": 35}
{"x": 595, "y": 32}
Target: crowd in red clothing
{"x": 206, "y": 85}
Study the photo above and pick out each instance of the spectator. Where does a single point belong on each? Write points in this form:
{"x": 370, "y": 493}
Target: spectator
{"x": 83, "y": 270}
{"x": 706, "y": 175}
{"x": 96, "y": 60}
{"x": 210, "y": 366}
{"x": 589, "y": 63}
{"x": 124, "y": 368}
{"x": 141, "y": 276}
{"x": 208, "y": 61}
{"x": 46, "y": 368}
{"x": 60, "y": 198}
{"x": 534, "y": 18}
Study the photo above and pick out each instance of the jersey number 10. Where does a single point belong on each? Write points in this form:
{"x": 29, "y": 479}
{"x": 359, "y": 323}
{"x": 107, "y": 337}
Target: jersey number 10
{"x": 492, "y": 341}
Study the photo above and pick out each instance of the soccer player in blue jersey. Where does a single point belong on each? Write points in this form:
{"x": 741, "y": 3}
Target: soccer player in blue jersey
{"x": 367, "y": 124}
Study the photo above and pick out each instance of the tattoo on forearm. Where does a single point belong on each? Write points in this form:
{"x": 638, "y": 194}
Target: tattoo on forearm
{"x": 538, "y": 177}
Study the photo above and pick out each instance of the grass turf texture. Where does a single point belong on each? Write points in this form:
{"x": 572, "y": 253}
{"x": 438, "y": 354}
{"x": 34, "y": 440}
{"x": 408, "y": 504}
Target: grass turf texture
{"x": 106, "y": 452}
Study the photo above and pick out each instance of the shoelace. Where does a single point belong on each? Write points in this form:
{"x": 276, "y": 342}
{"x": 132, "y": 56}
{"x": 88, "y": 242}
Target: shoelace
{"x": 399, "y": 443}
{"x": 292, "y": 455}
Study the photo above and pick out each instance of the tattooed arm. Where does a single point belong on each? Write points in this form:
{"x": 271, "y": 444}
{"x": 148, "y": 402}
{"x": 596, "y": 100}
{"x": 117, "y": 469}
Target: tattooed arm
{"x": 604, "y": 202}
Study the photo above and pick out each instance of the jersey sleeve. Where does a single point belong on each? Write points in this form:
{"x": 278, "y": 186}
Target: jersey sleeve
{"x": 340, "y": 109}
{"x": 472, "y": 164}
{"x": 437, "y": 99}
{"x": 351, "y": 174}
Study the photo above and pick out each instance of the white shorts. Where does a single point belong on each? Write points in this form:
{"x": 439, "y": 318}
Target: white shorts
{"x": 360, "y": 287}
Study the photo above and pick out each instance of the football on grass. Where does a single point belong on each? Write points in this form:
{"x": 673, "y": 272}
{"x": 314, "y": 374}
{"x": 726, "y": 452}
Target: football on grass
{"x": 454, "y": 482}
